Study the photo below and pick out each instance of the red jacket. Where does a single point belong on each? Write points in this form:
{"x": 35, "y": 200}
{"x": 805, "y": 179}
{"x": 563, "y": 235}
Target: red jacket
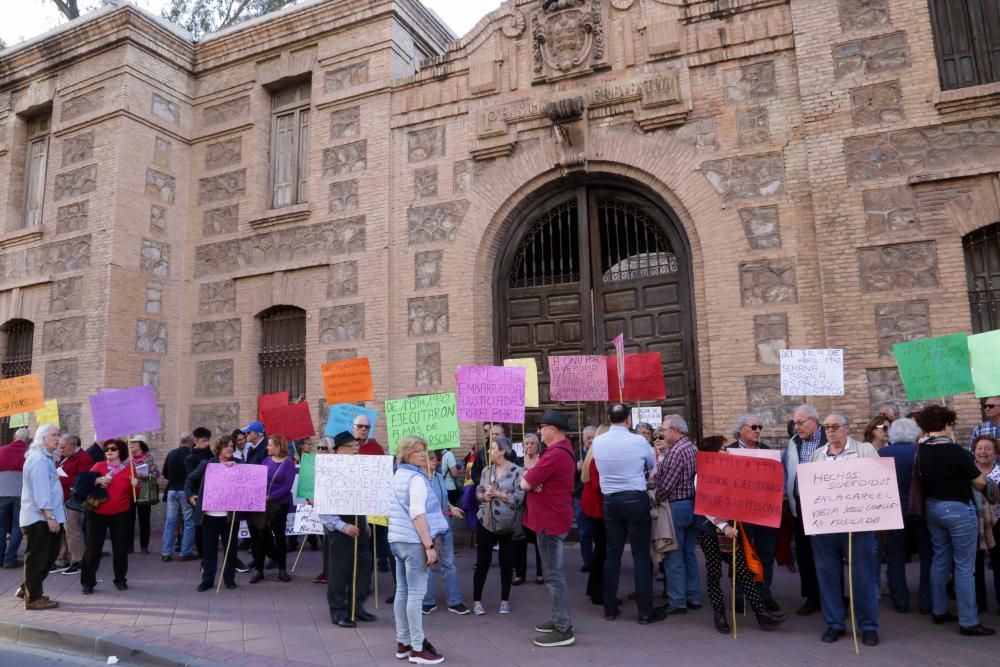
{"x": 73, "y": 466}
{"x": 119, "y": 490}
{"x": 371, "y": 448}
{"x": 592, "y": 500}
{"x": 12, "y": 456}
{"x": 550, "y": 508}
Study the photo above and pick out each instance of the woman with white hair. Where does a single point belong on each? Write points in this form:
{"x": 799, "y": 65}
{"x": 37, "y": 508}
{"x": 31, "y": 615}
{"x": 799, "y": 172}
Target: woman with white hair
{"x": 42, "y": 516}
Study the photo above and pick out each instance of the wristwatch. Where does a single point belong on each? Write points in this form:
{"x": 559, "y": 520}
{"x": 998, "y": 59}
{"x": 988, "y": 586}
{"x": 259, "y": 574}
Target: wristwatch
{"x": 428, "y": 547}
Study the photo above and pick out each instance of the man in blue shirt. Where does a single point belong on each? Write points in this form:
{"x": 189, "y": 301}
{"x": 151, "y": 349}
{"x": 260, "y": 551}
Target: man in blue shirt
{"x": 623, "y": 459}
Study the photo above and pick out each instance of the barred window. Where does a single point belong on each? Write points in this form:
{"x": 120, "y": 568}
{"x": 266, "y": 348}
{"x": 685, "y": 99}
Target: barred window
{"x": 20, "y": 335}
{"x": 282, "y": 355}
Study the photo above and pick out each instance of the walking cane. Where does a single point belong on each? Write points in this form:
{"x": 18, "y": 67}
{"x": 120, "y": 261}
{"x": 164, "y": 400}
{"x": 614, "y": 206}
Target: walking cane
{"x": 732, "y": 573}
{"x": 299, "y": 555}
{"x": 375, "y": 569}
{"x": 850, "y": 587}
{"x": 354, "y": 581}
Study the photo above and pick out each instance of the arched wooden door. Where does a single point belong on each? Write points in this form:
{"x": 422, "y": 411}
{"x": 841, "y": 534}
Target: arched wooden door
{"x": 585, "y": 264}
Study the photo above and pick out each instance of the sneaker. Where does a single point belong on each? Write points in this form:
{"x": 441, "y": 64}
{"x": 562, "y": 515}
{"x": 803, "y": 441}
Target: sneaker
{"x": 320, "y": 578}
{"x": 58, "y": 568}
{"x": 13, "y": 565}
{"x": 402, "y": 651}
{"x": 72, "y": 569}
{"x": 459, "y": 609}
{"x": 426, "y": 656}
{"x": 477, "y": 609}
{"x": 166, "y": 559}
{"x": 555, "y": 638}
{"x": 504, "y": 608}
{"x": 547, "y": 626}
{"x": 241, "y": 567}
{"x": 428, "y": 608}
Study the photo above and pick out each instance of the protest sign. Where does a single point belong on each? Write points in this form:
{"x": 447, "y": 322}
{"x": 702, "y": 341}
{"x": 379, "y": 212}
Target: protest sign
{"x": 853, "y": 496}
{"x": 651, "y": 416}
{"x": 348, "y": 381}
{"x": 306, "y": 521}
{"x": 121, "y": 412}
{"x": 353, "y": 484}
{"x": 619, "y": 343}
{"x": 379, "y": 521}
{"x": 49, "y": 414}
{"x": 772, "y": 454}
{"x": 739, "y": 488}
{"x": 934, "y": 367}
{"x": 294, "y": 421}
{"x": 491, "y": 394}
{"x": 307, "y": 476}
{"x": 236, "y": 488}
{"x": 18, "y": 420}
{"x": 578, "y": 378}
{"x": 643, "y": 378}
{"x": 341, "y": 418}
{"x": 812, "y": 372}
{"x": 433, "y": 417}
{"x": 22, "y": 393}
{"x": 984, "y": 353}
{"x": 267, "y": 401}
{"x": 530, "y": 379}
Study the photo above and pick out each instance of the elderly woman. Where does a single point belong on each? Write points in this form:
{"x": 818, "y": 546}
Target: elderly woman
{"x": 500, "y": 496}
{"x": 111, "y": 516}
{"x": 415, "y": 521}
{"x": 660, "y": 445}
{"x": 949, "y": 474}
{"x": 214, "y": 526}
{"x": 271, "y": 540}
{"x": 986, "y": 449}
{"x": 41, "y": 518}
{"x": 533, "y": 449}
{"x": 645, "y": 430}
{"x": 144, "y": 465}
{"x": 877, "y": 431}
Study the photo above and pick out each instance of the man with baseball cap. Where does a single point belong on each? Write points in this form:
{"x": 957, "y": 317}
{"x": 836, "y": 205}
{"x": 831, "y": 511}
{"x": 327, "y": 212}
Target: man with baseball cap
{"x": 256, "y": 449}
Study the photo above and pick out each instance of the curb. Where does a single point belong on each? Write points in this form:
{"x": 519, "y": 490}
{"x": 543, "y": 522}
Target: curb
{"x": 100, "y": 645}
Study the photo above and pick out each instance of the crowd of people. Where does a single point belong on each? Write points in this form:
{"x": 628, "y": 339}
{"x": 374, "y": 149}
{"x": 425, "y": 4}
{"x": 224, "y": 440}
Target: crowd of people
{"x": 621, "y": 483}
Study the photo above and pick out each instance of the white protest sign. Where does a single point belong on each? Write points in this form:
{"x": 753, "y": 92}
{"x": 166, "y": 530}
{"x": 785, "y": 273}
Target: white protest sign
{"x": 652, "y": 416}
{"x": 306, "y": 521}
{"x": 772, "y": 454}
{"x": 812, "y": 372}
{"x": 849, "y": 496}
{"x": 353, "y": 484}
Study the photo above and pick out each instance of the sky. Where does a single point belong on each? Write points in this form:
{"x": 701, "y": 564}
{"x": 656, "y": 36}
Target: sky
{"x": 37, "y": 16}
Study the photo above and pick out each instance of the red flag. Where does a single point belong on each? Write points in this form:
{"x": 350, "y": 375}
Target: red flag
{"x": 644, "y": 373}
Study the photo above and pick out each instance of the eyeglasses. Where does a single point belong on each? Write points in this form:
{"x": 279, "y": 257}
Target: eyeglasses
{"x": 832, "y": 427}
{"x": 362, "y": 426}
{"x": 754, "y": 427}
{"x": 803, "y": 422}
{"x": 111, "y": 449}
{"x": 881, "y": 427}
{"x": 990, "y": 406}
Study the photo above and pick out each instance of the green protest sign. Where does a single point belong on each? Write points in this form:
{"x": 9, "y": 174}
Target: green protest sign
{"x": 432, "y": 417}
{"x": 984, "y": 351}
{"x": 18, "y": 419}
{"x": 307, "y": 476}
{"x": 934, "y": 367}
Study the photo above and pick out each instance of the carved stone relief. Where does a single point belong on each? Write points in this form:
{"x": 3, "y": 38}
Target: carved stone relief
{"x": 160, "y": 186}
{"x": 770, "y": 334}
{"x": 567, "y": 39}
{"x": 154, "y": 297}
{"x": 425, "y": 182}
{"x": 877, "y": 103}
{"x": 82, "y": 104}
{"x": 165, "y": 109}
{"x": 69, "y": 416}
{"x": 768, "y": 281}
{"x": 150, "y": 336}
{"x": 428, "y": 315}
{"x": 345, "y": 124}
{"x": 155, "y": 258}
{"x": 746, "y": 177}
{"x": 230, "y": 185}
{"x": 76, "y": 183}
{"x": 216, "y": 417}
{"x": 890, "y": 210}
{"x": 751, "y": 126}
{"x": 223, "y": 220}
{"x": 899, "y": 266}
{"x": 72, "y": 217}
{"x": 899, "y": 322}
{"x": 217, "y": 298}
{"x": 863, "y": 14}
{"x": 60, "y": 378}
{"x": 427, "y": 267}
{"x": 426, "y": 144}
{"x": 352, "y": 75}
{"x": 761, "y": 227}
{"x": 342, "y": 323}
{"x": 339, "y": 355}
{"x": 764, "y": 399}
{"x": 78, "y": 148}
{"x": 428, "y": 372}
{"x": 224, "y": 153}
{"x": 214, "y": 378}
{"x": 158, "y": 218}
{"x": 439, "y": 222}
{"x": 885, "y": 386}
{"x": 343, "y": 196}
{"x": 346, "y": 159}
{"x": 870, "y": 55}
{"x": 464, "y": 175}
{"x": 698, "y": 132}
{"x": 161, "y": 153}
{"x": 750, "y": 82}
{"x": 53, "y": 258}
{"x": 63, "y": 335}
{"x": 343, "y": 280}
{"x": 230, "y": 110}
{"x": 220, "y": 336}
{"x": 150, "y": 373}
{"x": 66, "y": 294}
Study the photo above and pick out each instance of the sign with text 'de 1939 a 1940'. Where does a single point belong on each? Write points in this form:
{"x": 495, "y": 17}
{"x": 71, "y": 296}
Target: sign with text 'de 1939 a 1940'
{"x": 853, "y": 496}
{"x": 432, "y": 417}
{"x": 353, "y": 484}
{"x": 812, "y": 372}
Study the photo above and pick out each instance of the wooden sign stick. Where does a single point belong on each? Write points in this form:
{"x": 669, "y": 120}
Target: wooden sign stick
{"x": 225, "y": 554}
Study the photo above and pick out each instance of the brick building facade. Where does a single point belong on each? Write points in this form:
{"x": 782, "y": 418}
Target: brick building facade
{"x": 721, "y": 180}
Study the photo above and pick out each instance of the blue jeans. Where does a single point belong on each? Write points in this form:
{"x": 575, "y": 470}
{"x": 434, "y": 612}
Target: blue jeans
{"x": 584, "y": 531}
{"x": 683, "y": 587}
{"x": 899, "y": 544}
{"x": 10, "y": 513}
{"x": 829, "y": 554}
{"x": 177, "y": 506}
{"x": 955, "y": 535}
{"x": 411, "y": 586}
{"x": 551, "y": 548}
{"x": 446, "y": 563}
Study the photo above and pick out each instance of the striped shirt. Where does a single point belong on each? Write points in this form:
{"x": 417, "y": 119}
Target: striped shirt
{"x": 675, "y": 473}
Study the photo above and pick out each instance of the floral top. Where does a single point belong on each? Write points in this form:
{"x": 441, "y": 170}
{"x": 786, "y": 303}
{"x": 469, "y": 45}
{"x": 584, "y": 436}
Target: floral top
{"x": 995, "y": 476}
{"x": 139, "y": 458}
{"x": 501, "y": 513}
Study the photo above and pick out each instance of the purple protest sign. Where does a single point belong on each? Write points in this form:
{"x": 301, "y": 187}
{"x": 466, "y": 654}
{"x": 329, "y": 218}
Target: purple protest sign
{"x": 578, "y": 378}
{"x": 491, "y": 394}
{"x": 125, "y": 412}
{"x": 235, "y": 488}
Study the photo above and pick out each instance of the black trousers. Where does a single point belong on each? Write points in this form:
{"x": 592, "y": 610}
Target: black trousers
{"x": 982, "y": 600}
{"x": 381, "y": 543}
{"x": 485, "y": 540}
{"x": 98, "y": 527}
{"x": 142, "y": 512}
{"x": 595, "y": 579}
{"x": 214, "y": 529}
{"x": 521, "y": 555}
{"x": 713, "y": 573}
{"x": 626, "y": 516}
{"x": 40, "y": 553}
{"x": 340, "y": 569}
{"x": 765, "y": 541}
{"x": 269, "y": 542}
{"x": 804, "y": 560}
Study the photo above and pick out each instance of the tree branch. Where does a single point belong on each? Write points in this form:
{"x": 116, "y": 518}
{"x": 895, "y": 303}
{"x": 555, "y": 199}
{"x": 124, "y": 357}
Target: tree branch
{"x": 68, "y": 8}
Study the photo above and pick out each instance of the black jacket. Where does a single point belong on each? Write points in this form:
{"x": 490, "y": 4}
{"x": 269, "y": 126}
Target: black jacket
{"x": 173, "y": 469}
{"x": 195, "y": 458}
{"x": 258, "y": 454}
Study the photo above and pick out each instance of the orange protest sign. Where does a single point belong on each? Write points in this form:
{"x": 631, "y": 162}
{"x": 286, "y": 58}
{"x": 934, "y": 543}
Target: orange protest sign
{"x": 348, "y": 381}
{"x": 21, "y": 394}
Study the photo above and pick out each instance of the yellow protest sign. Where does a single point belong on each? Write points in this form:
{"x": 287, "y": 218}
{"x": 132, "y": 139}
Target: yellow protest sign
{"x": 530, "y": 379}
{"x": 49, "y": 414}
{"x": 379, "y": 520}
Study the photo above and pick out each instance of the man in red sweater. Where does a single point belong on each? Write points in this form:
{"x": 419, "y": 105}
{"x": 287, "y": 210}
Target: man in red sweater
{"x": 73, "y": 460}
{"x": 11, "y": 475}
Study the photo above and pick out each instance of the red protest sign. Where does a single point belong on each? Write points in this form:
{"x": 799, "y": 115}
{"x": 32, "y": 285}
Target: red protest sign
{"x": 267, "y": 401}
{"x": 643, "y": 377}
{"x": 291, "y": 421}
{"x": 741, "y": 488}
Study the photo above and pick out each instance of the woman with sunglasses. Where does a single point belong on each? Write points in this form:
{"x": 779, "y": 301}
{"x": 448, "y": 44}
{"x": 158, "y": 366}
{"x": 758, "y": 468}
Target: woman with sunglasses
{"x": 112, "y": 515}
{"x": 877, "y": 432}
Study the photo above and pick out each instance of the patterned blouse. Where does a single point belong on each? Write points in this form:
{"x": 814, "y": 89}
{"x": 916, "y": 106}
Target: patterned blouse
{"x": 503, "y": 512}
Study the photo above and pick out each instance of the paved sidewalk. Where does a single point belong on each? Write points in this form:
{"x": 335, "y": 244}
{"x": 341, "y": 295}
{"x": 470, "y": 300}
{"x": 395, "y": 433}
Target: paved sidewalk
{"x": 274, "y": 623}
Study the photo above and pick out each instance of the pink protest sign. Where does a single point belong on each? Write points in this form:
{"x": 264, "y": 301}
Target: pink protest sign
{"x": 578, "y": 378}
{"x": 491, "y": 394}
{"x": 236, "y": 488}
{"x": 119, "y": 412}
{"x": 849, "y": 496}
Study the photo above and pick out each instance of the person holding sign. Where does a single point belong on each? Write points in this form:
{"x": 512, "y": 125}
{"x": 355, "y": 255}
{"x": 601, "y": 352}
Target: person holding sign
{"x": 831, "y": 550}
{"x": 949, "y": 474}
{"x": 214, "y": 526}
{"x": 270, "y": 540}
{"x": 112, "y": 516}
{"x": 415, "y": 522}
{"x": 348, "y": 539}
{"x": 369, "y": 446}
{"x": 990, "y": 427}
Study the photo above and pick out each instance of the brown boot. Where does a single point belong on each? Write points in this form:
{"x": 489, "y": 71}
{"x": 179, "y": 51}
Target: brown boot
{"x": 40, "y": 604}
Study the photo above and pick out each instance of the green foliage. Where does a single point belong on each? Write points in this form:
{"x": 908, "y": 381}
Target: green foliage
{"x": 200, "y": 17}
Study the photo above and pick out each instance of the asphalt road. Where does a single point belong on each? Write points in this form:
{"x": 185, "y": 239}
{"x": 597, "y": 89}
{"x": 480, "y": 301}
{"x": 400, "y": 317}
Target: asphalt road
{"x": 29, "y": 656}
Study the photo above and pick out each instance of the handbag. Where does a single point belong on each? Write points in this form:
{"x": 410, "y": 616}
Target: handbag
{"x": 915, "y": 504}
{"x": 148, "y": 493}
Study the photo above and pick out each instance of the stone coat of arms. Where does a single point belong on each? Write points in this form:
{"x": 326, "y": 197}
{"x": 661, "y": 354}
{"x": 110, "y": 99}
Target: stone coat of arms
{"x": 567, "y": 39}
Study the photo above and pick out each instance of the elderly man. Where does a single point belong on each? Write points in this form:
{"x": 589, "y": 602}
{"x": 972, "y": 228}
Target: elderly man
{"x": 42, "y": 517}
{"x": 623, "y": 459}
{"x": 369, "y": 446}
{"x": 255, "y": 450}
{"x": 11, "y": 466}
{"x": 747, "y": 430}
{"x": 582, "y": 521}
{"x": 809, "y": 436}
{"x": 549, "y": 512}
{"x": 174, "y": 472}
{"x": 674, "y": 482}
{"x": 990, "y": 427}
{"x": 890, "y": 411}
{"x": 73, "y": 460}
{"x": 831, "y": 550}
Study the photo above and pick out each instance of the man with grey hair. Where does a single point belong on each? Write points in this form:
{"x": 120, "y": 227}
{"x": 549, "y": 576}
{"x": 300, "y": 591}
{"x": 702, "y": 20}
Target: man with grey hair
{"x": 809, "y": 436}
{"x": 991, "y": 426}
{"x": 674, "y": 482}
{"x": 890, "y": 411}
{"x": 902, "y": 449}
{"x": 11, "y": 478}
